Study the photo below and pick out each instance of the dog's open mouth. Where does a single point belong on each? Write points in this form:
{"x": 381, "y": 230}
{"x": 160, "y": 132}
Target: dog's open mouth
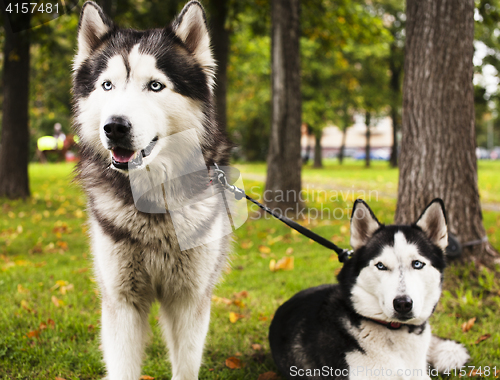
{"x": 128, "y": 159}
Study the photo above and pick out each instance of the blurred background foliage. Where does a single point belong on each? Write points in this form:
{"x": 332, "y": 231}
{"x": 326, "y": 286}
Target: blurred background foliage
{"x": 351, "y": 56}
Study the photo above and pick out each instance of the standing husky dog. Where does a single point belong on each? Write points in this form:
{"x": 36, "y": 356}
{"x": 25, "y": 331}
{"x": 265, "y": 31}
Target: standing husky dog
{"x": 374, "y": 323}
{"x": 134, "y": 90}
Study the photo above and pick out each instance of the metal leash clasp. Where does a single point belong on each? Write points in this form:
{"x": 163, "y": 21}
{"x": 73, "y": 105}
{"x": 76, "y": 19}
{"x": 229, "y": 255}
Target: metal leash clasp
{"x": 221, "y": 177}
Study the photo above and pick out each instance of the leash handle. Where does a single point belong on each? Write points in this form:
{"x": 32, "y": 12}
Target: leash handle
{"x": 344, "y": 254}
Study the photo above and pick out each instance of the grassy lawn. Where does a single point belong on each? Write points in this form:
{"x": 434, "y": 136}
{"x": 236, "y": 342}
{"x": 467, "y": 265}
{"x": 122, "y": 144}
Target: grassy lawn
{"x": 50, "y": 309}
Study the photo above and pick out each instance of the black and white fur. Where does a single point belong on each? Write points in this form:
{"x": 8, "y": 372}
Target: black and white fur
{"x": 376, "y": 317}
{"x": 132, "y": 90}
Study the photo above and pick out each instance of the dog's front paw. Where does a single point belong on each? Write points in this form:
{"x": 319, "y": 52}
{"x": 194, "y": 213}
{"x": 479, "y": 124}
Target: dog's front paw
{"x": 446, "y": 354}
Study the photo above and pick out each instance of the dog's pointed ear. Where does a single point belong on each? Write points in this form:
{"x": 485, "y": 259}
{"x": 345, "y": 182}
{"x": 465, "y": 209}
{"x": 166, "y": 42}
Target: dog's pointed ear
{"x": 93, "y": 25}
{"x": 433, "y": 223}
{"x": 363, "y": 224}
{"x": 191, "y": 27}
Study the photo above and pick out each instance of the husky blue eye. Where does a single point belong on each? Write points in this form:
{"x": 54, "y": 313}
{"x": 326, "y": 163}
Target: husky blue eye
{"x": 156, "y": 86}
{"x": 107, "y": 85}
{"x": 417, "y": 264}
{"x": 380, "y": 266}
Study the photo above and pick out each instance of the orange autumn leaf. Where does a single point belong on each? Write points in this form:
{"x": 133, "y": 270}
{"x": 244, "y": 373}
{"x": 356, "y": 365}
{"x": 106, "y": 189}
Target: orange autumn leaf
{"x": 51, "y": 323}
{"x": 263, "y": 318}
{"x": 246, "y": 244}
{"x": 242, "y": 294}
{"x": 60, "y": 378}
{"x": 33, "y": 334}
{"x": 481, "y": 338}
{"x": 285, "y": 263}
{"x": 466, "y": 326}
{"x": 234, "y": 317}
{"x": 146, "y": 377}
{"x": 239, "y": 303}
{"x": 264, "y": 249}
{"x": 256, "y": 347}
{"x": 57, "y": 302}
{"x": 222, "y": 300}
{"x": 233, "y": 363}
{"x": 268, "y": 376}
{"x": 42, "y": 326}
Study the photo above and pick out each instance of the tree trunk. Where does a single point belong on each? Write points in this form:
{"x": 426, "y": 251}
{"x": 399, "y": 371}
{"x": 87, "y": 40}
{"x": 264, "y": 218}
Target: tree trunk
{"x": 395, "y": 126}
{"x": 15, "y": 133}
{"x": 317, "y": 150}
{"x": 345, "y": 120}
{"x": 218, "y": 10}
{"x": 438, "y": 144}
{"x": 395, "y": 86}
{"x": 368, "y": 120}
{"x": 283, "y": 184}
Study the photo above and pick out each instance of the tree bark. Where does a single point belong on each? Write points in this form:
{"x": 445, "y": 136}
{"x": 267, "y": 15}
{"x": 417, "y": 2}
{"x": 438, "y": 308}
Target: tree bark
{"x": 318, "y": 162}
{"x": 368, "y": 120}
{"x": 218, "y": 10}
{"x": 438, "y": 139}
{"x": 15, "y": 133}
{"x": 395, "y": 86}
{"x": 283, "y": 184}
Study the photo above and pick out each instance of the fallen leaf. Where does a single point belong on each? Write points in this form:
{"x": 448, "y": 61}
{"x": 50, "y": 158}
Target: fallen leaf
{"x": 42, "y": 326}
{"x": 246, "y": 244}
{"x": 234, "y": 317}
{"x": 33, "y": 334}
{"x": 21, "y": 289}
{"x": 466, "y": 326}
{"x": 240, "y": 304}
{"x": 57, "y": 302}
{"x": 272, "y": 265}
{"x": 481, "y": 338}
{"x": 146, "y": 377}
{"x": 90, "y": 328}
{"x": 24, "y": 305}
{"x": 82, "y": 270}
{"x": 268, "y": 376}
{"x": 289, "y": 251}
{"x": 285, "y": 263}
{"x": 233, "y": 363}
{"x": 63, "y": 245}
{"x": 263, "y": 318}
{"x": 222, "y": 300}
{"x": 60, "y": 378}
{"x": 256, "y": 347}
{"x": 264, "y": 249}
{"x": 51, "y": 323}
{"x": 242, "y": 294}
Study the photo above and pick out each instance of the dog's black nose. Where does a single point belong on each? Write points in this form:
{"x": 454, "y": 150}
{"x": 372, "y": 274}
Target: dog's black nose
{"x": 117, "y": 127}
{"x": 403, "y": 304}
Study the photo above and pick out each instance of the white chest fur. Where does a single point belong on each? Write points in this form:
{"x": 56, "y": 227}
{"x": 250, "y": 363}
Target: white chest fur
{"x": 389, "y": 354}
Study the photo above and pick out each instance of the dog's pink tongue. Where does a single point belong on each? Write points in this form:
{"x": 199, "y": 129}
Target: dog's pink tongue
{"x": 122, "y": 155}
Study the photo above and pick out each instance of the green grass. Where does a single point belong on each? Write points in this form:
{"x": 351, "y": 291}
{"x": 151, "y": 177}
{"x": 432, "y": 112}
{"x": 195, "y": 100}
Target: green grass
{"x": 43, "y": 242}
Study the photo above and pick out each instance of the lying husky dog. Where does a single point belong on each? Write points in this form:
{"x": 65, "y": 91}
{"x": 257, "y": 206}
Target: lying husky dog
{"x": 133, "y": 90}
{"x": 374, "y": 323}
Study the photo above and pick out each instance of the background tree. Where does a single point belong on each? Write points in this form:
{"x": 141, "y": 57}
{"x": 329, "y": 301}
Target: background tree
{"x": 438, "y": 140}
{"x": 283, "y": 183}
{"x": 15, "y": 133}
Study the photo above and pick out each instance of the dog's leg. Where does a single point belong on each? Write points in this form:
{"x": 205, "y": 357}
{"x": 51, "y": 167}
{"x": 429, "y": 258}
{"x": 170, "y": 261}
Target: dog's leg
{"x": 185, "y": 325}
{"x": 123, "y": 334}
{"x": 446, "y": 354}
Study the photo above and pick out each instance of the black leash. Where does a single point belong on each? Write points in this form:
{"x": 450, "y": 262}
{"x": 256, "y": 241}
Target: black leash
{"x": 344, "y": 254}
